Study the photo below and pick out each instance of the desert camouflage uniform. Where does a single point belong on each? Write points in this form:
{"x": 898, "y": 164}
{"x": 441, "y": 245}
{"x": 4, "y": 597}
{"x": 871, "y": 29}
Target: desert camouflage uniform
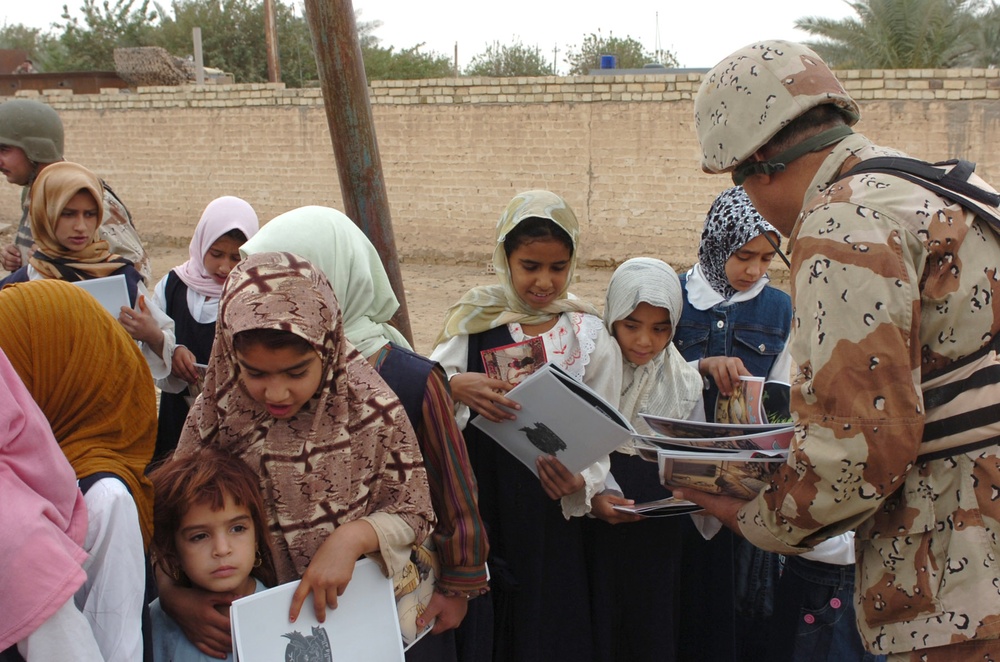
{"x": 116, "y": 228}
{"x": 891, "y": 285}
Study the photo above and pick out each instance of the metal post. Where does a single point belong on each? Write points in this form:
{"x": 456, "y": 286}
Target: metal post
{"x": 349, "y": 115}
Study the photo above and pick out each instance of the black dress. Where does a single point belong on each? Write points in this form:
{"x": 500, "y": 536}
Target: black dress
{"x": 198, "y": 338}
{"x": 537, "y": 566}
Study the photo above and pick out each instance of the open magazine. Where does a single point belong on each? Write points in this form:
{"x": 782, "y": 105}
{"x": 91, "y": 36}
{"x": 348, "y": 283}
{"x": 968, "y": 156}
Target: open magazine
{"x": 364, "y": 626}
{"x": 735, "y": 459}
{"x": 559, "y": 416}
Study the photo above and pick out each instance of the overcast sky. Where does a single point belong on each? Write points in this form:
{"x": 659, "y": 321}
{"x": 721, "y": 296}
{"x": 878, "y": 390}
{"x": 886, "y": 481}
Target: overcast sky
{"x": 699, "y": 32}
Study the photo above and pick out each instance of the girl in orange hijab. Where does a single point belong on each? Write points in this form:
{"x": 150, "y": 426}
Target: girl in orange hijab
{"x": 91, "y": 382}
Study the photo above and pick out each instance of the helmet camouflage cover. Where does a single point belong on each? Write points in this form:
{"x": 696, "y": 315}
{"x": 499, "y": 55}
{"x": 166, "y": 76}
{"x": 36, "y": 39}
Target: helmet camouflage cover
{"x": 753, "y": 93}
{"x": 34, "y": 127}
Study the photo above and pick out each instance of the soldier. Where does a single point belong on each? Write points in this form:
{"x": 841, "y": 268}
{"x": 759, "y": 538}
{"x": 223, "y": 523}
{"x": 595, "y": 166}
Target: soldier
{"x": 31, "y": 137}
{"x": 895, "y": 328}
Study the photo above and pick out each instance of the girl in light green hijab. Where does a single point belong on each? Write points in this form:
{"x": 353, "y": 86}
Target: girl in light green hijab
{"x": 338, "y": 248}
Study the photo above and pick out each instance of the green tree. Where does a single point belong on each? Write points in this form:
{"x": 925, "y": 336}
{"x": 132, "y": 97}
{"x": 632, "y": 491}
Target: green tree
{"x": 986, "y": 39}
{"x": 409, "y": 63}
{"x": 233, "y": 40}
{"x": 89, "y": 46}
{"x": 500, "y": 60}
{"x": 630, "y": 54}
{"x": 897, "y": 34}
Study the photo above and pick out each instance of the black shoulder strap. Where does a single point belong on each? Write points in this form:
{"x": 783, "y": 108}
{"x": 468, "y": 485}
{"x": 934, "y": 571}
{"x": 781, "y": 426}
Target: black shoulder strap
{"x": 949, "y": 179}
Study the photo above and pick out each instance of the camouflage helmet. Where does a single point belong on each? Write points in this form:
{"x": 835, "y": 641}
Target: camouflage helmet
{"x": 753, "y": 93}
{"x": 34, "y": 127}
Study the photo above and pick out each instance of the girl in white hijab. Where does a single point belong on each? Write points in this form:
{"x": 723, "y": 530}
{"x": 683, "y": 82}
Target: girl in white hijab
{"x": 634, "y": 566}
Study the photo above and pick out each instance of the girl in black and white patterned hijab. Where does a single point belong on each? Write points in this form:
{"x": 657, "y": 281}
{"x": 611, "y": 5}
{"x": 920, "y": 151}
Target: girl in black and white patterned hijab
{"x": 731, "y": 223}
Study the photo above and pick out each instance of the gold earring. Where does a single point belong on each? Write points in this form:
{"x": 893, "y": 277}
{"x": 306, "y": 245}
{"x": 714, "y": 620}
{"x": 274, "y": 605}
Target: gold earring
{"x": 258, "y": 559}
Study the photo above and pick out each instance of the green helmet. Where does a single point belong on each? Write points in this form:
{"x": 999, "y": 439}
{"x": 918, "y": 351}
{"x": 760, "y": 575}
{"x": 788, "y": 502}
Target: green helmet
{"x": 752, "y": 94}
{"x": 34, "y": 127}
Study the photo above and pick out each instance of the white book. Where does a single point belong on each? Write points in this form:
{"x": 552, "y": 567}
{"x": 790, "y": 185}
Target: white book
{"x": 559, "y": 416}
{"x": 363, "y": 628}
{"x": 110, "y": 291}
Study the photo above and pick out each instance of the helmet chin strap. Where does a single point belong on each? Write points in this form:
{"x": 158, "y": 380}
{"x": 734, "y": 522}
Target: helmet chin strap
{"x": 774, "y": 245}
{"x": 779, "y": 162}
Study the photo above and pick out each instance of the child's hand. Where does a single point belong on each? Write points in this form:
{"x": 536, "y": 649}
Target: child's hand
{"x": 332, "y": 567}
{"x": 483, "y": 395}
{"x": 10, "y": 258}
{"x": 556, "y": 479}
{"x": 448, "y": 610}
{"x": 602, "y": 507}
{"x": 724, "y": 370}
{"x": 183, "y": 365}
{"x": 140, "y": 324}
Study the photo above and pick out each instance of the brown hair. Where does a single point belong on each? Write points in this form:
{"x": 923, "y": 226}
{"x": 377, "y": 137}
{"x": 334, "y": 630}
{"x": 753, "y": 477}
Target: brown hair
{"x": 206, "y": 476}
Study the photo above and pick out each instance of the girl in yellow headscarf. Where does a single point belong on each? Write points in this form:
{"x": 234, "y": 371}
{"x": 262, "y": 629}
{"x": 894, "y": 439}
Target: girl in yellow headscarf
{"x": 91, "y": 382}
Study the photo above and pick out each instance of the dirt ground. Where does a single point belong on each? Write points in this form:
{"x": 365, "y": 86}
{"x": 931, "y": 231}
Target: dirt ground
{"x": 430, "y": 288}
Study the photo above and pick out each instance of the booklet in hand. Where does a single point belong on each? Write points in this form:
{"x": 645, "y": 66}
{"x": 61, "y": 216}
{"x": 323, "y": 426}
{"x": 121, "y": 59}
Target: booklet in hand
{"x": 512, "y": 363}
{"x": 110, "y": 291}
{"x": 559, "y": 416}
{"x": 667, "y": 507}
{"x": 364, "y": 626}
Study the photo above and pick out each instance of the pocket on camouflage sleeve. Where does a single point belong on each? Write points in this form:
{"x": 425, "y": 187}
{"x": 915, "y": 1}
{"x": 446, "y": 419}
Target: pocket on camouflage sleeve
{"x": 898, "y": 573}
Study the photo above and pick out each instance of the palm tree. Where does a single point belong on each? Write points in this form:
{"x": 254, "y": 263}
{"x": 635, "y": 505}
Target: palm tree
{"x": 897, "y": 34}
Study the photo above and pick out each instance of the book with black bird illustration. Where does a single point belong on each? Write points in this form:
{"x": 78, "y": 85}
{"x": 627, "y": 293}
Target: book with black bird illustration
{"x": 559, "y": 416}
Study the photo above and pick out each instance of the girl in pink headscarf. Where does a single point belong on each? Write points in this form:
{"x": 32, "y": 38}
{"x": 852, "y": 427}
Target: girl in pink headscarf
{"x": 43, "y": 524}
{"x": 190, "y": 296}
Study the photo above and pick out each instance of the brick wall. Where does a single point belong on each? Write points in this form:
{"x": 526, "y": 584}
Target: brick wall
{"x": 622, "y": 150}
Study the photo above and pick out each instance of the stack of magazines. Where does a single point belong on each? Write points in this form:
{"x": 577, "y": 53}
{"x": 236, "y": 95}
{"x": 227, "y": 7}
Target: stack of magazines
{"x": 734, "y": 459}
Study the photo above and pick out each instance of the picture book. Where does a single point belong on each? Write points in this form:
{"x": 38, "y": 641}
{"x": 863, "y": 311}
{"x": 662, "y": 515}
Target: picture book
{"x": 740, "y": 474}
{"x": 559, "y": 416}
{"x": 110, "y": 291}
{"x": 512, "y": 363}
{"x": 364, "y": 626}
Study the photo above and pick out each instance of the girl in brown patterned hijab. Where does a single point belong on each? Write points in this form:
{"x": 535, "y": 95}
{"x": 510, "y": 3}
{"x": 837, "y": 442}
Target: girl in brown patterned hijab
{"x": 339, "y": 466}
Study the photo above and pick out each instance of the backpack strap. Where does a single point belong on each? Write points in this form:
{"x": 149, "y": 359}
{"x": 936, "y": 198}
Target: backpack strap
{"x": 959, "y": 400}
{"x": 949, "y": 179}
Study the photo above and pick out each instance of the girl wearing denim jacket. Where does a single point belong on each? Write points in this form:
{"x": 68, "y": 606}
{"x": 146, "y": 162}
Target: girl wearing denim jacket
{"x": 735, "y": 323}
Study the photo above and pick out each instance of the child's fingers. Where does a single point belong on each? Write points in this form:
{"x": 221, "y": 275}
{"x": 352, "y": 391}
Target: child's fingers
{"x": 320, "y": 605}
{"x": 297, "y": 599}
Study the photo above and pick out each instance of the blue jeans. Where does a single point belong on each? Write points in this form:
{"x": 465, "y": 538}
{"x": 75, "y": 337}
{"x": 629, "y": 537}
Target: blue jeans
{"x": 814, "y": 616}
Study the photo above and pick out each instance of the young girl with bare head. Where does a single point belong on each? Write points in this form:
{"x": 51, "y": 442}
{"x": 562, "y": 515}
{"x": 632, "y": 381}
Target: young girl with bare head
{"x": 210, "y": 532}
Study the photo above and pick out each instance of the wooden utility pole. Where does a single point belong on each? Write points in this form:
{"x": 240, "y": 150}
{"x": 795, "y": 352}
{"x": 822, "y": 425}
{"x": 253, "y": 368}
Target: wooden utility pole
{"x": 349, "y": 115}
{"x": 271, "y": 43}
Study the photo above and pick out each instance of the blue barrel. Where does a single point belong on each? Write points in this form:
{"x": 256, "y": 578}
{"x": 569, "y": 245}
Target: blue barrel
{"x": 608, "y": 62}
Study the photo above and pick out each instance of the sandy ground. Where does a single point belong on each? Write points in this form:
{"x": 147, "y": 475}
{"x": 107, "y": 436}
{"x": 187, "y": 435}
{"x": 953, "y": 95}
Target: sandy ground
{"x": 430, "y": 288}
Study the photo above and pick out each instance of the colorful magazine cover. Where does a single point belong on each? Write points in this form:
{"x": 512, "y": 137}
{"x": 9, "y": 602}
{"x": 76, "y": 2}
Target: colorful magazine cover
{"x": 512, "y": 363}
{"x": 741, "y": 474}
{"x": 745, "y": 405}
